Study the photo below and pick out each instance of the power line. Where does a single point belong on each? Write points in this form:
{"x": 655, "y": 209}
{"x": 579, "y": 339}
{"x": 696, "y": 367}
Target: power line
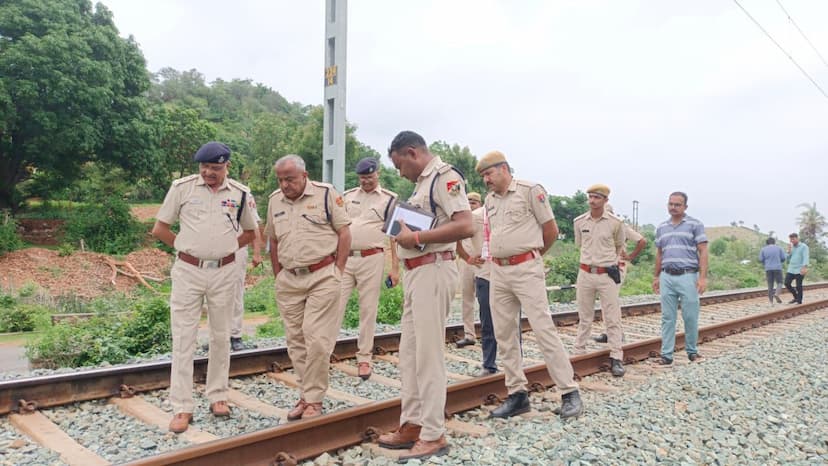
{"x": 781, "y": 49}
{"x": 802, "y": 33}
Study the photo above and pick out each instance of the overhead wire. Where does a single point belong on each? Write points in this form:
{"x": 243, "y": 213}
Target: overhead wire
{"x": 802, "y": 33}
{"x": 805, "y": 73}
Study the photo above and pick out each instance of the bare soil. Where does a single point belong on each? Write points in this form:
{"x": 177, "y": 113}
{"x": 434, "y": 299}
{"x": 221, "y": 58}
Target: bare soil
{"x": 81, "y": 274}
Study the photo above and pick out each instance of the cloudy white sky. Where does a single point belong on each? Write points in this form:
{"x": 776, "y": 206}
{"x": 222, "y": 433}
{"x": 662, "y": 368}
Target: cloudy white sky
{"x": 646, "y": 96}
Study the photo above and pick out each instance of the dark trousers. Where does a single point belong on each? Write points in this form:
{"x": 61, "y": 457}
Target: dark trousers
{"x": 796, "y": 292}
{"x": 486, "y": 328}
{"x": 774, "y": 278}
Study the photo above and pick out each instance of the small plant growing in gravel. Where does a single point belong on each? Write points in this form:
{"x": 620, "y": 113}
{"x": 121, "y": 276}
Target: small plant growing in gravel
{"x": 66, "y": 249}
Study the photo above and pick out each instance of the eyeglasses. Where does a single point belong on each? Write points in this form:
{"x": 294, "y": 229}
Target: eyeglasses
{"x": 674, "y": 204}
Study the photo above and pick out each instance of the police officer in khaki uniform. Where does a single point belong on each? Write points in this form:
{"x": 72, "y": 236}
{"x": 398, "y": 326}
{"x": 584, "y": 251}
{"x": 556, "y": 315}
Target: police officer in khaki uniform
{"x": 625, "y": 262}
{"x": 600, "y": 237}
{"x": 237, "y": 322}
{"x": 523, "y": 228}
{"x": 368, "y": 206}
{"x": 212, "y": 210}
{"x": 467, "y": 284}
{"x": 307, "y": 225}
{"x": 430, "y": 282}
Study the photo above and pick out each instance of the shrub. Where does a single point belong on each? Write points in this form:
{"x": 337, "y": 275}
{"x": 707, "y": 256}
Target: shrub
{"x": 389, "y": 308}
{"x": 65, "y": 249}
{"x": 106, "y": 226}
{"x": 18, "y": 317}
{"x": 9, "y": 239}
{"x": 148, "y": 331}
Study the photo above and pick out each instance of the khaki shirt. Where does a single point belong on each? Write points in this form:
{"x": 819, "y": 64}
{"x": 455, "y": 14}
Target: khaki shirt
{"x": 367, "y": 211}
{"x": 516, "y": 218}
{"x": 600, "y": 240}
{"x": 449, "y": 197}
{"x": 304, "y": 231}
{"x": 631, "y": 234}
{"x": 474, "y": 245}
{"x": 209, "y": 229}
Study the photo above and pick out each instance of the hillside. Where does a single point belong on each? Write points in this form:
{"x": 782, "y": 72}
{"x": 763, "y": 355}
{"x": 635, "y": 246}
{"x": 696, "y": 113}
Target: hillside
{"x": 741, "y": 233}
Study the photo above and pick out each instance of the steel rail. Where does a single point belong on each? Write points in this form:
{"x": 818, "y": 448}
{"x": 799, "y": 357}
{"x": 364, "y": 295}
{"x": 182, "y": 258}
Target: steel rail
{"x": 61, "y": 389}
{"x": 287, "y": 444}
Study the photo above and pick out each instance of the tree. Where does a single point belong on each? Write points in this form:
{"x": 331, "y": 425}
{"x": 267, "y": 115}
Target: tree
{"x": 566, "y": 209}
{"x": 463, "y": 160}
{"x": 812, "y": 229}
{"x": 71, "y": 91}
{"x": 181, "y": 133}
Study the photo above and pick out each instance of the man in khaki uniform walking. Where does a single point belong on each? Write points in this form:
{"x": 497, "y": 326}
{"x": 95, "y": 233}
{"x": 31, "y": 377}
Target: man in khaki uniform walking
{"x": 307, "y": 225}
{"x": 523, "y": 228}
{"x": 212, "y": 210}
{"x": 600, "y": 237}
{"x": 625, "y": 262}
{"x": 467, "y": 284}
{"x": 368, "y": 206}
{"x": 430, "y": 283}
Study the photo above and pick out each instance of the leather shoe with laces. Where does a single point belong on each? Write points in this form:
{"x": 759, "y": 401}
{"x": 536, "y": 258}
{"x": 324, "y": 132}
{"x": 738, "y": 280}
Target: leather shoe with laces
{"x": 236, "y": 344}
{"x": 425, "y": 449}
{"x": 401, "y": 439}
{"x": 465, "y": 342}
{"x": 364, "y": 370}
{"x": 516, "y": 403}
{"x": 312, "y": 410}
{"x": 571, "y": 405}
{"x": 296, "y": 412}
{"x": 180, "y": 422}
{"x": 220, "y": 409}
{"x": 617, "y": 368}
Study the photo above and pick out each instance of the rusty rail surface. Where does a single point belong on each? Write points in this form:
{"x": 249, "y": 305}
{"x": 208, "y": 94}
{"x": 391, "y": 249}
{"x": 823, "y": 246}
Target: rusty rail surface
{"x": 60, "y": 389}
{"x": 287, "y": 444}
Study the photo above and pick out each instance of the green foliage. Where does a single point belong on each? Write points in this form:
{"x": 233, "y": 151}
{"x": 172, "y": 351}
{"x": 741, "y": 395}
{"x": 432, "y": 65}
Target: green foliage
{"x": 261, "y": 298}
{"x": 562, "y": 265}
{"x": 106, "y": 226}
{"x": 9, "y": 239}
{"x": 148, "y": 331}
{"x": 718, "y": 247}
{"x": 271, "y": 329}
{"x": 66, "y": 249}
{"x": 566, "y": 209}
{"x": 71, "y": 91}
{"x": 389, "y": 309}
{"x": 463, "y": 160}
{"x": 19, "y": 317}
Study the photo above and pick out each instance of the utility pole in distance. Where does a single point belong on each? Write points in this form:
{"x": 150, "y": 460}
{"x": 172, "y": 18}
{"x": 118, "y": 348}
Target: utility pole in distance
{"x": 333, "y": 133}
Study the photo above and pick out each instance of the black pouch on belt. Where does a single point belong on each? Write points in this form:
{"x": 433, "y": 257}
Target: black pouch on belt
{"x": 614, "y": 273}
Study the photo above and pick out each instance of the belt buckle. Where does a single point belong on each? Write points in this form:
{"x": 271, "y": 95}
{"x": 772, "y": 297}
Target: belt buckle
{"x": 356, "y": 253}
{"x": 210, "y": 264}
{"x": 302, "y": 271}
{"x": 593, "y": 269}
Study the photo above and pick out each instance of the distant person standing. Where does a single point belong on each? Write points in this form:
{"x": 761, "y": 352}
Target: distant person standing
{"x": 236, "y": 343}
{"x": 600, "y": 237}
{"x": 368, "y": 205}
{"x": 215, "y": 222}
{"x": 309, "y": 233}
{"x": 797, "y": 267}
{"x": 772, "y": 257}
{"x": 468, "y": 271}
{"x": 680, "y": 276}
{"x": 523, "y": 228}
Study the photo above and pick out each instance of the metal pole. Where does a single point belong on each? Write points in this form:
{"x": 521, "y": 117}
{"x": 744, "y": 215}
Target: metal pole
{"x": 333, "y": 133}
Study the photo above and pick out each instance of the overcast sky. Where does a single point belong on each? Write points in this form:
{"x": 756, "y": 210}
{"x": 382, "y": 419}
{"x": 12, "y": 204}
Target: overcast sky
{"x": 647, "y": 97}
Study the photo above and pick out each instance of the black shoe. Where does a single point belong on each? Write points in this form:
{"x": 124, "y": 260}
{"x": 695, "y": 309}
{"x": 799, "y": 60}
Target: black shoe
{"x": 464, "y": 342}
{"x": 236, "y": 344}
{"x": 694, "y": 357}
{"x": 571, "y": 405}
{"x": 617, "y": 368}
{"x": 602, "y": 338}
{"x": 778, "y": 299}
{"x": 662, "y": 361}
{"x": 517, "y": 403}
{"x": 793, "y": 301}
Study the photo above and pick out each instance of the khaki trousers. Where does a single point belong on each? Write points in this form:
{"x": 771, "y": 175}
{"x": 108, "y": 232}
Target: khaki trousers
{"x": 309, "y": 306}
{"x": 238, "y": 301}
{"x": 429, "y": 290}
{"x": 468, "y": 292}
{"x": 523, "y": 286}
{"x": 589, "y": 285}
{"x": 364, "y": 273}
{"x": 190, "y": 286}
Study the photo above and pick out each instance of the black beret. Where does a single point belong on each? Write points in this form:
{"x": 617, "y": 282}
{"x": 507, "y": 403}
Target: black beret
{"x": 212, "y": 152}
{"x": 367, "y": 166}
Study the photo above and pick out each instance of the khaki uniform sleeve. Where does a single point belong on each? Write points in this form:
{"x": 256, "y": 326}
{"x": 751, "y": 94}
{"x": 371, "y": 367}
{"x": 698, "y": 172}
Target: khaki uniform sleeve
{"x": 576, "y": 225}
{"x": 450, "y": 192}
{"x": 270, "y": 229}
{"x": 631, "y": 234}
{"x": 339, "y": 215}
{"x": 540, "y": 206}
{"x": 249, "y": 217}
{"x": 171, "y": 206}
{"x": 620, "y": 236}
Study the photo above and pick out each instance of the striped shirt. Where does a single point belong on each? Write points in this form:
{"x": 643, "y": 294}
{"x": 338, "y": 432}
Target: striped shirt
{"x": 679, "y": 243}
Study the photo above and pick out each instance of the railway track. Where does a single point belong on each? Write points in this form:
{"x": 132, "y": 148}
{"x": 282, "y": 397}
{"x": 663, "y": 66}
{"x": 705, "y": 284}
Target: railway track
{"x": 288, "y": 443}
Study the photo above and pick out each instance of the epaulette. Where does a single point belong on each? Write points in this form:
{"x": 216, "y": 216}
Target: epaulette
{"x": 350, "y": 190}
{"x": 274, "y": 193}
{"x": 320, "y": 184}
{"x": 185, "y": 179}
{"x": 616, "y": 217}
{"x": 527, "y": 184}
{"x": 583, "y": 215}
{"x": 238, "y": 185}
{"x": 390, "y": 193}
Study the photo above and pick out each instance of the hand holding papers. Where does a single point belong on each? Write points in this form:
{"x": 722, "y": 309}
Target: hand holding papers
{"x": 415, "y": 219}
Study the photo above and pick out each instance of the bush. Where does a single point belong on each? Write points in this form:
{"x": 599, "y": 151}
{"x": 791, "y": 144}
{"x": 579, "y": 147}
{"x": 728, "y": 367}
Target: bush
{"x": 389, "y": 308}
{"x": 106, "y": 226}
{"x": 9, "y": 239}
{"x": 17, "y": 317}
{"x": 148, "y": 331}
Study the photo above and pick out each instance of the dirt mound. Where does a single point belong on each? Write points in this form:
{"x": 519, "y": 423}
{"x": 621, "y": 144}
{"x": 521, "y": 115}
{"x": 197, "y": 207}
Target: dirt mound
{"x": 82, "y": 274}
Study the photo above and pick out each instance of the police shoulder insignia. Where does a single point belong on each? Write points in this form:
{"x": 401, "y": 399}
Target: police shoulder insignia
{"x": 339, "y": 201}
{"x": 542, "y": 197}
{"x": 453, "y": 187}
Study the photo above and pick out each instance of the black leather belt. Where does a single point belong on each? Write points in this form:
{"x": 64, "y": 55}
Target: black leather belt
{"x": 680, "y": 271}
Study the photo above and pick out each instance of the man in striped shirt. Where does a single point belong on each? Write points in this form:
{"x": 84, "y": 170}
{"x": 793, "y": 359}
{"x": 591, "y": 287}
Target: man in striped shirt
{"x": 680, "y": 276}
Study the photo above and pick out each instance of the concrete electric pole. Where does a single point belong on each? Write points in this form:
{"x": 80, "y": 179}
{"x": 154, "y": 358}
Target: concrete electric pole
{"x": 333, "y": 143}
